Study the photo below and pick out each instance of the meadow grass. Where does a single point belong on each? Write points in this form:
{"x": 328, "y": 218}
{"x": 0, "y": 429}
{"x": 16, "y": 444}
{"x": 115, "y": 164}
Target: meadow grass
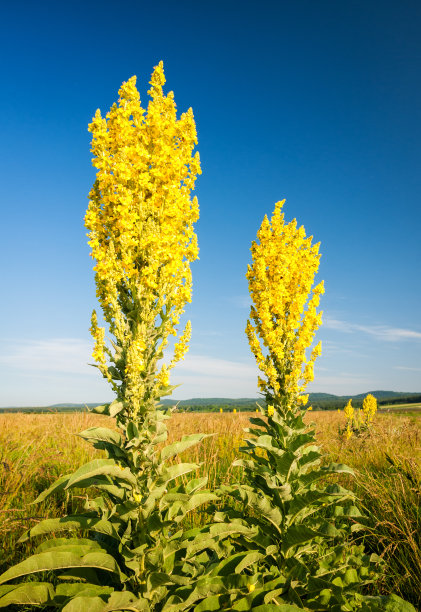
{"x": 37, "y": 448}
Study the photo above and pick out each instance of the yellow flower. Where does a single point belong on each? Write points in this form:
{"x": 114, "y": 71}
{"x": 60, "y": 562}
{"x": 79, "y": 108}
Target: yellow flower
{"x": 283, "y": 316}
{"x": 369, "y": 409}
{"x": 140, "y": 222}
{"x": 271, "y": 411}
{"x": 251, "y": 588}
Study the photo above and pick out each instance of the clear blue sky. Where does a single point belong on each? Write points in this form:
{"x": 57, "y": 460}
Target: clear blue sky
{"x": 317, "y": 102}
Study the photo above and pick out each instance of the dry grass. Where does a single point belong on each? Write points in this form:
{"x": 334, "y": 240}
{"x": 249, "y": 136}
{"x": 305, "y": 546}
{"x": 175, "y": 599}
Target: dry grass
{"x": 36, "y": 448}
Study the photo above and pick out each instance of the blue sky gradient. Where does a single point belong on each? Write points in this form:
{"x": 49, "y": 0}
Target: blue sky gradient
{"x": 317, "y": 102}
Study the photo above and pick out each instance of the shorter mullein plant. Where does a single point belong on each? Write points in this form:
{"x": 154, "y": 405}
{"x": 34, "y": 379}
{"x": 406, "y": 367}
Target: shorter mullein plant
{"x": 298, "y": 553}
{"x": 360, "y": 421}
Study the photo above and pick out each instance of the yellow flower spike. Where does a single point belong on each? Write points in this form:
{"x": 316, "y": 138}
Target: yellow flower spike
{"x": 140, "y": 222}
{"x": 220, "y": 410}
{"x": 283, "y": 316}
{"x": 271, "y": 411}
{"x": 235, "y": 410}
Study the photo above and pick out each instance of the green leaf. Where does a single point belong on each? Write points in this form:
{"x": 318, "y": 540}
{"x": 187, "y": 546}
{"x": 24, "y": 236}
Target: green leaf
{"x": 71, "y": 523}
{"x": 296, "y": 535}
{"x": 392, "y": 603}
{"x": 277, "y": 608}
{"x": 236, "y": 563}
{"x": 31, "y": 593}
{"x": 214, "y": 602}
{"x": 178, "y": 447}
{"x": 115, "y": 407}
{"x": 99, "y": 467}
{"x": 101, "y": 434}
{"x": 103, "y": 409}
{"x": 83, "y": 604}
{"x": 174, "y": 471}
{"x": 195, "y": 484}
{"x": 58, "y": 485}
{"x": 78, "y": 589}
{"x": 60, "y": 560}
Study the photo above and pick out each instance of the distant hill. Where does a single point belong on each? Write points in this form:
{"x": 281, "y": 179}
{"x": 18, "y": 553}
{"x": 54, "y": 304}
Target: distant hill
{"x": 319, "y": 401}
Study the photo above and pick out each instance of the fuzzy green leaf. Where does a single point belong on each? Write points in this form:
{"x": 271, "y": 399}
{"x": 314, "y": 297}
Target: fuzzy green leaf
{"x": 58, "y": 485}
{"x": 99, "y": 467}
{"x": 79, "y": 589}
{"x": 59, "y": 543}
{"x": 60, "y": 560}
{"x": 31, "y": 593}
{"x": 178, "y": 447}
{"x": 296, "y": 535}
{"x": 277, "y": 608}
{"x": 115, "y": 407}
{"x": 174, "y": 471}
{"x": 101, "y": 434}
{"x": 71, "y": 523}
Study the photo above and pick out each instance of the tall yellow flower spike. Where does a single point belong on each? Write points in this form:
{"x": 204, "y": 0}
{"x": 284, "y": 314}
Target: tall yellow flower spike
{"x": 140, "y": 220}
{"x": 283, "y": 319}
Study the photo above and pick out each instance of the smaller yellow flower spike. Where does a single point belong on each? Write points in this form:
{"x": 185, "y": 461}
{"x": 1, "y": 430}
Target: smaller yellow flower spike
{"x": 284, "y": 317}
{"x": 220, "y": 410}
{"x": 235, "y": 410}
{"x": 271, "y": 411}
{"x": 369, "y": 409}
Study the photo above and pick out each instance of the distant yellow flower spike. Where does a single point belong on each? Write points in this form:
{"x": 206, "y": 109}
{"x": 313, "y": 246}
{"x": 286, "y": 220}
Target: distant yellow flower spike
{"x": 140, "y": 220}
{"x": 369, "y": 409}
{"x": 283, "y": 317}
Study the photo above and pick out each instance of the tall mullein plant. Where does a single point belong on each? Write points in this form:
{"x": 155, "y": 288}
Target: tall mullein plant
{"x": 123, "y": 551}
{"x": 299, "y": 554}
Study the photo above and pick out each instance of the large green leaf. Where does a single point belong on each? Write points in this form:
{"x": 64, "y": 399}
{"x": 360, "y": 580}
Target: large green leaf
{"x": 72, "y": 523}
{"x": 118, "y": 600}
{"x": 78, "y": 589}
{"x": 99, "y": 467}
{"x": 101, "y": 434}
{"x": 30, "y": 593}
{"x": 178, "y": 447}
{"x": 235, "y": 564}
{"x": 210, "y": 604}
{"x": 58, "y": 485}
{"x": 296, "y": 535}
{"x": 60, "y": 560}
{"x": 278, "y": 608}
{"x": 174, "y": 471}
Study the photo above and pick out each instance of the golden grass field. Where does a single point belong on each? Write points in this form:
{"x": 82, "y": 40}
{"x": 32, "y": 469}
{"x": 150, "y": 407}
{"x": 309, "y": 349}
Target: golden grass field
{"x": 37, "y": 448}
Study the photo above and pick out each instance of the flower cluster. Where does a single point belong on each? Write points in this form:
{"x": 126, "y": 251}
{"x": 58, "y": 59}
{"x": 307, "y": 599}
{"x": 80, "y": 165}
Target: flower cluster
{"x": 140, "y": 220}
{"x": 360, "y": 421}
{"x": 369, "y": 409}
{"x": 349, "y": 415}
{"x": 283, "y": 320}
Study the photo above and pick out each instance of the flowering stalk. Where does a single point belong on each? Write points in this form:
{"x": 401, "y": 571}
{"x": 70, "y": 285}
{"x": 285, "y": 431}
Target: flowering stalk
{"x": 283, "y": 318}
{"x": 140, "y": 220}
{"x": 361, "y": 421}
